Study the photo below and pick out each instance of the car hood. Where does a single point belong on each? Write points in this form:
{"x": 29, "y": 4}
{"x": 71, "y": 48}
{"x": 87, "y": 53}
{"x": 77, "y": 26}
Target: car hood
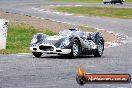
{"x": 54, "y": 40}
{"x": 55, "y": 37}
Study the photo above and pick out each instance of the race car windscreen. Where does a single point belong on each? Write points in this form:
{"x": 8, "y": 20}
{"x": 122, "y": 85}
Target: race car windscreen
{"x": 65, "y": 33}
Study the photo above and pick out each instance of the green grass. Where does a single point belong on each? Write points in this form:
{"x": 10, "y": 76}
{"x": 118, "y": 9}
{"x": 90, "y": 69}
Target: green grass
{"x": 98, "y": 11}
{"x": 126, "y": 1}
{"x": 19, "y": 37}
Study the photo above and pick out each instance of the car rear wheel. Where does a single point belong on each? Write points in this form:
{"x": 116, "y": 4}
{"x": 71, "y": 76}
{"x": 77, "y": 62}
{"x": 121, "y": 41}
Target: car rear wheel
{"x": 75, "y": 49}
{"x": 113, "y": 2}
{"x": 99, "y": 51}
{"x": 37, "y": 54}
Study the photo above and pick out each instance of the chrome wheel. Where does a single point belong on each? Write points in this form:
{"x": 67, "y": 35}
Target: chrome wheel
{"x": 75, "y": 48}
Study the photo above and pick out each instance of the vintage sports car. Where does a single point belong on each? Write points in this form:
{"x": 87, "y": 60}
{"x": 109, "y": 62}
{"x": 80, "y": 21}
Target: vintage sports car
{"x": 72, "y": 43}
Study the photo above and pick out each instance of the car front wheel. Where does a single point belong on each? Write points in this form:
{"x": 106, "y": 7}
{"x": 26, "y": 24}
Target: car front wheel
{"x": 75, "y": 49}
{"x": 37, "y": 54}
{"x": 121, "y": 3}
{"x": 104, "y": 2}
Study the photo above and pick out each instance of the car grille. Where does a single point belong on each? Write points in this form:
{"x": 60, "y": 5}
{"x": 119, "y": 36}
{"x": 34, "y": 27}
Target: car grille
{"x": 46, "y": 48}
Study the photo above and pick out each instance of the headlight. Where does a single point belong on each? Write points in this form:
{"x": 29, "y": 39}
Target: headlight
{"x": 66, "y": 42}
{"x": 34, "y": 39}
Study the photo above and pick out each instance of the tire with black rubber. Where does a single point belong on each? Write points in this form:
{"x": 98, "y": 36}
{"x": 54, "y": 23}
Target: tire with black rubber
{"x": 99, "y": 41}
{"x": 75, "y": 49}
{"x": 37, "y": 54}
{"x": 104, "y": 2}
{"x": 100, "y": 48}
{"x": 121, "y": 2}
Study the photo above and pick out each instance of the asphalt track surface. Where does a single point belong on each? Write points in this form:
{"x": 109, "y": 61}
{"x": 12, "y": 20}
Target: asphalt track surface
{"x": 53, "y": 71}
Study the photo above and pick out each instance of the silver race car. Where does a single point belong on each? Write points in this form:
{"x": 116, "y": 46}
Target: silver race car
{"x": 72, "y": 43}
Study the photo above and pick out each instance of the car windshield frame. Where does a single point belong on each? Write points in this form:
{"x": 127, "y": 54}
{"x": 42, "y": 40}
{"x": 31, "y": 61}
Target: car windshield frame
{"x": 65, "y": 33}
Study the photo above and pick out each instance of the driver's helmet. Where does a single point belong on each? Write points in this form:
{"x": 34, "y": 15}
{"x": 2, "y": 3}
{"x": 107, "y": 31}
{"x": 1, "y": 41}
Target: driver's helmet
{"x": 73, "y": 29}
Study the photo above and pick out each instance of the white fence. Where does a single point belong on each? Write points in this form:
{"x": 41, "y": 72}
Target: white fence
{"x": 3, "y": 33}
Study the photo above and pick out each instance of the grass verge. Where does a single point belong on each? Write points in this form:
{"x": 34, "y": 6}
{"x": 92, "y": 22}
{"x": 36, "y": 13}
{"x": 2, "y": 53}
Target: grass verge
{"x": 98, "y": 11}
{"x": 19, "y": 37}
